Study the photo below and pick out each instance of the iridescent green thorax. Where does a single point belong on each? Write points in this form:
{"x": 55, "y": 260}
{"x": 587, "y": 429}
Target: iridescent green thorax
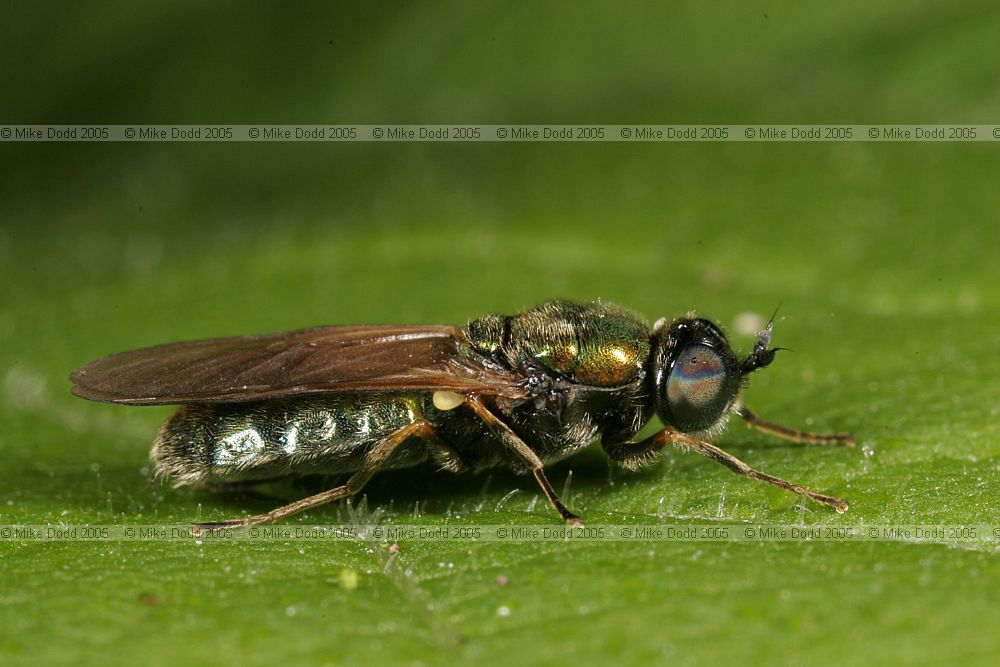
{"x": 597, "y": 344}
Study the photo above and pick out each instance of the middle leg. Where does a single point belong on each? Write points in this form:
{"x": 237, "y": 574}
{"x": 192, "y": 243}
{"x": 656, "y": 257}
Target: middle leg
{"x": 521, "y": 448}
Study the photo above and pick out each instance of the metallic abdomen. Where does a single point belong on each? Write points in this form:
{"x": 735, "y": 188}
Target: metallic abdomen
{"x": 227, "y": 442}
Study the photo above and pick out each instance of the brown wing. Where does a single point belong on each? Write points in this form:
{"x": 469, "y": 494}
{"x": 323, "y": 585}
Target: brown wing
{"x": 324, "y": 359}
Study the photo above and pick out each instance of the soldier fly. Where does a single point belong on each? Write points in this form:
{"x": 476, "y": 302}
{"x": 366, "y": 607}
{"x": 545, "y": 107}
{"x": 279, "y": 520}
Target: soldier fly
{"x": 518, "y": 391}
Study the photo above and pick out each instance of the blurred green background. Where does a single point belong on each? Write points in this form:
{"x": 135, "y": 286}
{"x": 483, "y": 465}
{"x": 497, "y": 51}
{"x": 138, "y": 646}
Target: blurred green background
{"x": 883, "y": 257}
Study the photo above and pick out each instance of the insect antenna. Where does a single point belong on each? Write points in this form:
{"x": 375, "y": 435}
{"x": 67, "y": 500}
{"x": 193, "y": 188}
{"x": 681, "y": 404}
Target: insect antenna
{"x": 762, "y": 355}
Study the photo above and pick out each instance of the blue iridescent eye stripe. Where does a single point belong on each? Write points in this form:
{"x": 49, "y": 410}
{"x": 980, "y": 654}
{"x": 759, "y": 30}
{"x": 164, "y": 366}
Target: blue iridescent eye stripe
{"x": 697, "y": 371}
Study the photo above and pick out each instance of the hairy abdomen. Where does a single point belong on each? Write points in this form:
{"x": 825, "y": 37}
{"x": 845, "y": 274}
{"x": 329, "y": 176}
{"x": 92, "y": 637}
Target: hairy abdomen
{"x": 228, "y": 442}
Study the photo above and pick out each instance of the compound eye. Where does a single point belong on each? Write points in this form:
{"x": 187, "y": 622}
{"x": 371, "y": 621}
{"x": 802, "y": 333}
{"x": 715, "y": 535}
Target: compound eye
{"x": 698, "y": 388}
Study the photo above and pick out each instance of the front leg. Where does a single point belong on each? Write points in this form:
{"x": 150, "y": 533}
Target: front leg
{"x": 634, "y": 455}
{"x": 754, "y": 421}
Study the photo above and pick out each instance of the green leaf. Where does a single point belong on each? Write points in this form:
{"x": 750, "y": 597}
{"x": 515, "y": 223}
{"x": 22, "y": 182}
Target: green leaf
{"x": 883, "y": 258}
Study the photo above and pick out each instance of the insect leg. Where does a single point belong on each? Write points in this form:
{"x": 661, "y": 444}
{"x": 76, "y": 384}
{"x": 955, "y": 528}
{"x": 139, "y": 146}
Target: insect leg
{"x": 635, "y": 455}
{"x": 376, "y": 456}
{"x": 754, "y": 421}
{"x": 627, "y": 453}
{"x": 444, "y": 455}
{"x": 521, "y": 448}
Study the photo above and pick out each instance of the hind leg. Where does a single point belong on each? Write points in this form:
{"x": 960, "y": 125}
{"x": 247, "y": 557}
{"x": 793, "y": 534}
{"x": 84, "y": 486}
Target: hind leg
{"x": 376, "y": 456}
